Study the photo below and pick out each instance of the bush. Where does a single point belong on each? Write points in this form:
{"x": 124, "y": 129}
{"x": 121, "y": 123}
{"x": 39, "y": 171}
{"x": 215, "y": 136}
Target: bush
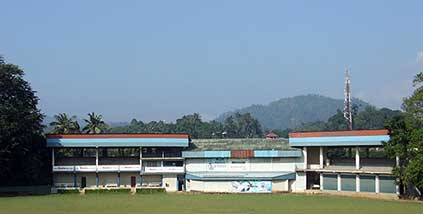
{"x": 66, "y": 191}
{"x": 150, "y": 190}
{"x": 99, "y": 191}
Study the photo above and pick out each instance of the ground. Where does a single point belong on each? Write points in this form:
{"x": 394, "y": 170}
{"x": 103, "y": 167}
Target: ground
{"x": 120, "y": 203}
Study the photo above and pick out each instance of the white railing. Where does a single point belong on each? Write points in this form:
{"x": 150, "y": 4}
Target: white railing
{"x": 172, "y": 169}
{"x": 118, "y": 168}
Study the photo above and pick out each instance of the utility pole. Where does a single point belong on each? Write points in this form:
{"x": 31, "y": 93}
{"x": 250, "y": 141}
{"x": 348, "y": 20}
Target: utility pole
{"x": 347, "y": 100}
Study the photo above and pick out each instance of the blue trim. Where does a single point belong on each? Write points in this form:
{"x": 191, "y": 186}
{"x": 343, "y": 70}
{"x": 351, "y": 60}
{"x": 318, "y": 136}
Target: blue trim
{"x": 339, "y": 141}
{"x": 276, "y": 153}
{"x": 117, "y": 142}
{"x": 246, "y": 176}
{"x": 217, "y": 154}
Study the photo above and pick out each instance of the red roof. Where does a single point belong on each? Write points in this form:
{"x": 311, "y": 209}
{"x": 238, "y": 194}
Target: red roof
{"x": 271, "y": 134}
{"x": 72, "y": 136}
{"x": 339, "y": 133}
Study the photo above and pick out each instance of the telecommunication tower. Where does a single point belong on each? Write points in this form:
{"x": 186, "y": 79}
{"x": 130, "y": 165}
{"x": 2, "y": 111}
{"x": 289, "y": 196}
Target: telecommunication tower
{"x": 347, "y": 100}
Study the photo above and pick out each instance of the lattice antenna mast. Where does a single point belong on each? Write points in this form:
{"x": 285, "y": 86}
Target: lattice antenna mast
{"x": 347, "y": 100}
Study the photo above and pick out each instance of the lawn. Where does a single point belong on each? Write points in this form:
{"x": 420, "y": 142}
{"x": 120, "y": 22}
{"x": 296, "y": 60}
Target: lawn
{"x": 119, "y": 203}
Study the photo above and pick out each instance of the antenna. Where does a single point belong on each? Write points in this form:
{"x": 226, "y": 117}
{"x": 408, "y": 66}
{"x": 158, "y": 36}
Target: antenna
{"x": 347, "y": 100}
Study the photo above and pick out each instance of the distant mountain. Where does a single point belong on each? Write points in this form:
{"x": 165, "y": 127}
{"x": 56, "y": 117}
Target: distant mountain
{"x": 292, "y": 112}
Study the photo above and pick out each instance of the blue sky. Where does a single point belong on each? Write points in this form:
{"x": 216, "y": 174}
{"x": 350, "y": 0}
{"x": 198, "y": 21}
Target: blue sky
{"x": 159, "y": 60}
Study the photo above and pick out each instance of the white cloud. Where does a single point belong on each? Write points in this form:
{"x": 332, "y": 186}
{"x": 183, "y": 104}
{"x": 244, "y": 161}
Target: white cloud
{"x": 419, "y": 57}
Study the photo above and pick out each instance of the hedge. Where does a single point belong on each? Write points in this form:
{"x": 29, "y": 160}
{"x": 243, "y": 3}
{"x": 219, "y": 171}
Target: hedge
{"x": 107, "y": 191}
{"x": 65, "y": 191}
{"x": 150, "y": 190}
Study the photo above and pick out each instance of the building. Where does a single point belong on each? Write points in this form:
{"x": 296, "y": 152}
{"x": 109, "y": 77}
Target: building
{"x": 350, "y": 162}
{"x": 241, "y": 165}
{"x": 345, "y": 161}
{"x": 272, "y": 135}
{"x": 118, "y": 160}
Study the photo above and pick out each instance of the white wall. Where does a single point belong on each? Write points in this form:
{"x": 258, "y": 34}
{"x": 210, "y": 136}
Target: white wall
{"x": 251, "y": 164}
{"x": 299, "y": 185}
{"x": 107, "y": 179}
{"x": 170, "y": 182}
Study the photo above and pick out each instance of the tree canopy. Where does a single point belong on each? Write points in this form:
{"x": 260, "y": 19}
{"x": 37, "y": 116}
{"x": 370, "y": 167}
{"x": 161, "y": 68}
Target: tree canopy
{"x": 22, "y": 152}
{"x": 406, "y": 141}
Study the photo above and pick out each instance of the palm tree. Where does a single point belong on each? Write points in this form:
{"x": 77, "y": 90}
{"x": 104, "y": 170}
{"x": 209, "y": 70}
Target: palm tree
{"x": 64, "y": 124}
{"x": 95, "y": 124}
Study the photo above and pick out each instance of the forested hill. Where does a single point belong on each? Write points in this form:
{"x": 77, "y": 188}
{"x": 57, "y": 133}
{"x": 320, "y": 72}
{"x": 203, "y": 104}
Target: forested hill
{"x": 294, "y": 111}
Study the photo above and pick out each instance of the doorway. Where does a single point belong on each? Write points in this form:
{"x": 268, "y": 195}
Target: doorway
{"x": 133, "y": 181}
{"x": 83, "y": 182}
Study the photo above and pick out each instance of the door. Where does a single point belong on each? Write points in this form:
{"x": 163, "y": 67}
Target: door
{"x": 83, "y": 182}
{"x": 133, "y": 181}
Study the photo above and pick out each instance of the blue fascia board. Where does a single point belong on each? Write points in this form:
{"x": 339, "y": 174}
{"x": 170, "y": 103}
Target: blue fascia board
{"x": 284, "y": 176}
{"x": 117, "y": 142}
{"x": 277, "y": 153}
{"x": 206, "y": 154}
{"x": 339, "y": 141}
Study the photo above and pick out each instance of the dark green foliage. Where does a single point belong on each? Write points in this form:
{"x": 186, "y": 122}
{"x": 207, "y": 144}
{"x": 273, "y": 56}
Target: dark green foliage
{"x": 23, "y": 156}
{"x": 95, "y": 124}
{"x": 236, "y": 126}
{"x": 150, "y": 190}
{"x": 369, "y": 118}
{"x": 63, "y": 124}
{"x": 67, "y": 191}
{"x": 100, "y": 191}
{"x": 292, "y": 112}
{"x": 406, "y": 141}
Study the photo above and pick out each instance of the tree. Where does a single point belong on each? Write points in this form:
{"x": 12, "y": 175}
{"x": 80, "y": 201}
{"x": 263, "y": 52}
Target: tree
{"x": 95, "y": 124}
{"x": 406, "y": 141}
{"x": 22, "y": 147}
{"x": 242, "y": 126}
{"x": 64, "y": 124}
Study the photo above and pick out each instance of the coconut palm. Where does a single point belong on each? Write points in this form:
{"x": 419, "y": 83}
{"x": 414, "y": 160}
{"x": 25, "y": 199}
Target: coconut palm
{"x": 95, "y": 124}
{"x": 64, "y": 124}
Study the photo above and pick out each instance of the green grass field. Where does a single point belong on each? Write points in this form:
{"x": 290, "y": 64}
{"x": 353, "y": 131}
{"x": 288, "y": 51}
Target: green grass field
{"x": 202, "y": 203}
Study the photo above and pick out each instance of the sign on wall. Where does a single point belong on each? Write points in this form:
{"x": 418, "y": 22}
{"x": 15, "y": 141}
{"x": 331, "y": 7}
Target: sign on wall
{"x": 217, "y": 164}
{"x": 252, "y": 186}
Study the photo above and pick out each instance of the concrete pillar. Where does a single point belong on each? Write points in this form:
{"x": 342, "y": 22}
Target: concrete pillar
{"x": 339, "y": 181}
{"x": 52, "y": 157}
{"x": 96, "y": 159}
{"x": 140, "y": 160}
{"x": 118, "y": 179}
{"x": 357, "y": 158}
{"x": 377, "y": 186}
{"x": 97, "y": 182}
{"x": 321, "y": 157}
{"x": 321, "y": 180}
{"x": 357, "y": 183}
{"x": 305, "y": 157}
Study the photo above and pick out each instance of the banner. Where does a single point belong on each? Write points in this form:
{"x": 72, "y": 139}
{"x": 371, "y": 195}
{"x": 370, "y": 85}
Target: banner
{"x": 252, "y": 186}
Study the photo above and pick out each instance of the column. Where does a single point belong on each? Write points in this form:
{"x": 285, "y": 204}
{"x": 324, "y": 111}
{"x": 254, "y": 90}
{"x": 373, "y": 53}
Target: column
{"x": 397, "y": 163}
{"x": 140, "y": 167}
{"x": 305, "y": 157}
{"x": 96, "y": 159}
{"x": 357, "y": 183}
{"x": 321, "y": 180}
{"x": 357, "y": 158}
{"x": 339, "y": 181}
{"x": 118, "y": 179}
{"x": 74, "y": 179}
{"x": 52, "y": 157}
{"x": 321, "y": 157}
{"x": 377, "y": 186}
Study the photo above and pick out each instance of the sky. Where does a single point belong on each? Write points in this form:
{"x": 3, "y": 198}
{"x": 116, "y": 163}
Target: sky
{"x": 159, "y": 60}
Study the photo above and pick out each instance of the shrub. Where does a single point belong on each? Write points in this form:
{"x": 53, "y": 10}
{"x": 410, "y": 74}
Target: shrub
{"x": 150, "y": 190}
{"x": 99, "y": 191}
{"x": 66, "y": 191}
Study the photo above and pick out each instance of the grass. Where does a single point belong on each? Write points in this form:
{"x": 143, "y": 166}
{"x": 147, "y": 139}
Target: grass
{"x": 202, "y": 203}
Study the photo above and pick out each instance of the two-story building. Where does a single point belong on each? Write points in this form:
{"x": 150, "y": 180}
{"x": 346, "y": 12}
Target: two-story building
{"x": 345, "y": 161}
{"x": 118, "y": 160}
